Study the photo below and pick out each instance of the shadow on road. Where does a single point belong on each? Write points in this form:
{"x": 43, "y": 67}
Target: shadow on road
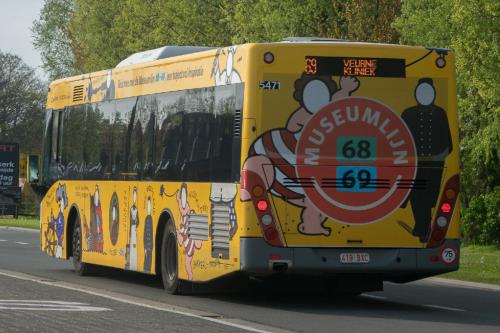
{"x": 309, "y": 297}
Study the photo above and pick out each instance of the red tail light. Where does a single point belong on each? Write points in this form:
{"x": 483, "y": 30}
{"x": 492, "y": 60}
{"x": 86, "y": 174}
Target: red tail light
{"x": 446, "y": 207}
{"x": 254, "y": 184}
{"x": 442, "y": 220}
{"x": 262, "y": 205}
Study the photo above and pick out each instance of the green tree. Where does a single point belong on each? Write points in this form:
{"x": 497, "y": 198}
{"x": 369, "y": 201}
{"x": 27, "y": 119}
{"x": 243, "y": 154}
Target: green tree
{"x": 22, "y": 96}
{"x": 471, "y": 29}
{"x": 262, "y": 20}
{"x": 52, "y": 38}
{"x": 88, "y": 35}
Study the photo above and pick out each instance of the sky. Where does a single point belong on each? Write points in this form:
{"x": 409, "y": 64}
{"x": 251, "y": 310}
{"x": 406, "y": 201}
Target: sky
{"x": 16, "y": 19}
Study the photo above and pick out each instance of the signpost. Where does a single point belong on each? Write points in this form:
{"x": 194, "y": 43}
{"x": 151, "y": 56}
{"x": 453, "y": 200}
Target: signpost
{"x": 10, "y": 192}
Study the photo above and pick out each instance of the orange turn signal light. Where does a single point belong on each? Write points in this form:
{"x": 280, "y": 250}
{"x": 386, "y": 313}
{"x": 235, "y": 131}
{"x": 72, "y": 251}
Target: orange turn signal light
{"x": 258, "y": 191}
{"x": 450, "y": 194}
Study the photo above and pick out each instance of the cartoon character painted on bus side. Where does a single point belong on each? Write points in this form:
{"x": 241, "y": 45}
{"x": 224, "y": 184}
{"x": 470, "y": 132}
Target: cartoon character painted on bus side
{"x": 272, "y": 155}
{"x": 132, "y": 242}
{"x": 96, "y": 221}
{"x": 229, "y": 74}
{"x": 107, "y": 87}
{"x": 62, "y": 200}
{"x": 429, "y": 127}
{"x": 114, "y": 219}
{"x": 148, "y": 238}
{"x": 190, "y": 245}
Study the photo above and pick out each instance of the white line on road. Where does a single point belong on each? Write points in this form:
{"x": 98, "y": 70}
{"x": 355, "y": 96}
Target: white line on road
{"x": 3, "y": 240}
{"x": 375, "y": 297}
{"x": 39, "y": 301}
{"x": 244, "y": 325}
{"x": 39, "y": 305}
{"x": 22, "y": 243}
{"x": 444, "y": 308}
{"x": 72, "y": 308}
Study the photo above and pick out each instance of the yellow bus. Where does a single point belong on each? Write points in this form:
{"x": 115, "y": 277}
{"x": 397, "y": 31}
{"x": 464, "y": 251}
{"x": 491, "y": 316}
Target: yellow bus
{"x": 313, "y": 157}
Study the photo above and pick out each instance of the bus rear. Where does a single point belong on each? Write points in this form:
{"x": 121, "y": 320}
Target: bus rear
{"x": 351, "y": 161}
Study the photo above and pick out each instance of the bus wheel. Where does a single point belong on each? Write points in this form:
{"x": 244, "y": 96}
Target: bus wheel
{"x": 80, "y": 267}
{"x": 169, "y": 271}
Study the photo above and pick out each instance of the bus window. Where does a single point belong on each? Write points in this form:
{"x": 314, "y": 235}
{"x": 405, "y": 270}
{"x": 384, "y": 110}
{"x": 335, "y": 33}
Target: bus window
{"x": 72, "y": 142}
{"x": 124, "y": 117}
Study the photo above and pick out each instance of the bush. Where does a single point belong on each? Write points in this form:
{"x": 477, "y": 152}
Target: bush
{"x": 481, "y": 219}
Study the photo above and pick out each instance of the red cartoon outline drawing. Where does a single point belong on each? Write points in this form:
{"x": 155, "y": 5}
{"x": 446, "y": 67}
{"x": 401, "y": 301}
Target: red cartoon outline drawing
{"x": 190, "y": 245}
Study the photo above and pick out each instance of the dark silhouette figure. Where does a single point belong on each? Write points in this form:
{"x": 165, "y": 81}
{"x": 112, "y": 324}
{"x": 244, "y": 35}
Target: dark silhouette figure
{"x": 429, "y": 127}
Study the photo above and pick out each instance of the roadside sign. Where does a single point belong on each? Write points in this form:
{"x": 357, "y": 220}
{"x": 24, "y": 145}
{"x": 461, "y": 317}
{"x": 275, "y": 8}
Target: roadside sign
{"x": 9, "y": 164}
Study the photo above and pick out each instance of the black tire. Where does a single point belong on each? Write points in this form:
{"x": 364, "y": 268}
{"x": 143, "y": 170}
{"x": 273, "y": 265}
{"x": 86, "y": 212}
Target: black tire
{"x": 80, "y": 267}
{"x": 169, "y": 269}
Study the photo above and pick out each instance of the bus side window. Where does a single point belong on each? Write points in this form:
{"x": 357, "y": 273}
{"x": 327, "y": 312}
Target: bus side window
{"x": 95, "y": 127}
{"x": 55, "y": 145}
{"x": 169, "y": 147}
{"x": 47, "y": 147}
{"x": 73, "y": 142}
{"x": 147, "y": 110}
{"x": 125, "y": 118}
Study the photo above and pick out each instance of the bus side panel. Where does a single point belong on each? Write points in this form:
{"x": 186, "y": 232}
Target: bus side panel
{"x": 119, "y": 223}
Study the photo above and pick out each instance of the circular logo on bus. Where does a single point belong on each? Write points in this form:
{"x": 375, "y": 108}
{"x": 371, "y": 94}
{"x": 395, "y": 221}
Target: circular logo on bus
{"x": 359, "y": 158}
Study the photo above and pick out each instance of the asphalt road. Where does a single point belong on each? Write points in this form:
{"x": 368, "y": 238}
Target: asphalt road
{"x": 115, "y": 300}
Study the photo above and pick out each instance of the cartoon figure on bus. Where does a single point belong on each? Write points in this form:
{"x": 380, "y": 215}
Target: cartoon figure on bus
{"x": 93, "y": 232}
{"x": 107, "y": 88}
{"x": 131, "y": 252}
{"x": 190, "y": 245}
{"x": 148, "y": 238}
{"x": 429, "y": 127}
{"x": 228, "y": 75}
{"x": 272, "y": 155}
{"x": 62, "y": 200}
{"x": 114, "y": 219}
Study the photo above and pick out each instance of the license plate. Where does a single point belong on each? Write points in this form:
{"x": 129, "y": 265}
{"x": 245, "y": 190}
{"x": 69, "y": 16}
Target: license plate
{"x": 354, "y": 258}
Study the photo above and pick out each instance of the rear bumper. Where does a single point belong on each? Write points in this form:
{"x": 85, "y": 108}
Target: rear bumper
{"x": 389, "y": 263}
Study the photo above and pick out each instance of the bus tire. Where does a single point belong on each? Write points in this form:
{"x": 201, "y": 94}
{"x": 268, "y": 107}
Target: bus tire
{"x": 80, "y": 267}
{"x": 169, "y": 267}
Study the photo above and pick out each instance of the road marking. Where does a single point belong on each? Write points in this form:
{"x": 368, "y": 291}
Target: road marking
{"x": 375, "y": 297}
{"x": 241, "y": 324}
{"x": 444, "y": 308}
{"x": 22, "y": 243}
{"x": 9, "y": 301}
{"x": 3, "y": 240}
{"x": 39, "y": 305}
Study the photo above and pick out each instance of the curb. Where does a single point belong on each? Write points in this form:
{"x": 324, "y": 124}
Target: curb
{"x": 463, "y": 284}
{"x": 20, "y": 229}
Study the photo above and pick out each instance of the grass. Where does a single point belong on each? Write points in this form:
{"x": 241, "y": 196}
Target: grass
{"x": 21, "y": 222}
{"x": 478, "y": 264}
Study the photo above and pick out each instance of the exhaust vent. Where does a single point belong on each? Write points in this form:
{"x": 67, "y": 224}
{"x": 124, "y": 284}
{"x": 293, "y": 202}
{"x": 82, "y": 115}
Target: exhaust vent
{"x": 237, "y": 124}
{"x": 198, "y": 227}
{"x": 78, "y": 93}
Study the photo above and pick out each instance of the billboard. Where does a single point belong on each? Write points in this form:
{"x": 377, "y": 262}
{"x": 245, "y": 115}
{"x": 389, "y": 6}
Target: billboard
{"x": 9, "y": 164}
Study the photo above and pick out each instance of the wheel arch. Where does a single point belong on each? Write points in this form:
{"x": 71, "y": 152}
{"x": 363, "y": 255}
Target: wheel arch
{"x": 74, "y": 215}
{"x": 165, "y": 218}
